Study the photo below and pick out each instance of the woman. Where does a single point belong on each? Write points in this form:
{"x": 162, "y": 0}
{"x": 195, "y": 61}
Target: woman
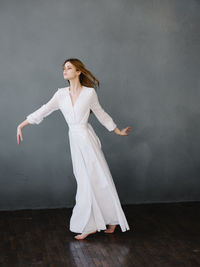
{"x": 97, "y": 201}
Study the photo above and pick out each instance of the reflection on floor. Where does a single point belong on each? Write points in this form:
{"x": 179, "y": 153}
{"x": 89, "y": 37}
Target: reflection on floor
{"x": 160, "y": 235}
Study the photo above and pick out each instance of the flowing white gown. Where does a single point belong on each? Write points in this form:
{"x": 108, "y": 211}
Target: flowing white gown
{"x": 97, "y": 201}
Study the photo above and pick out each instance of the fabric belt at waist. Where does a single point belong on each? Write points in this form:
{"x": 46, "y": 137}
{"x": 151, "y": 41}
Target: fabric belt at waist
{"x": 78, "y": 126}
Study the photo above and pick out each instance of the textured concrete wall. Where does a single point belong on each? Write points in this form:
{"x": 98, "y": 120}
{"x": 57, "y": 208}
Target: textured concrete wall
{"x": 145, "y": 54}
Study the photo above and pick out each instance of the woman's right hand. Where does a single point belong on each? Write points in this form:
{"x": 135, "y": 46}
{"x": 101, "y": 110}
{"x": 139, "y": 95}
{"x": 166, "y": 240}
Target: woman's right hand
{"x": 19, "y": 135}
{"x": 19, "y": 130}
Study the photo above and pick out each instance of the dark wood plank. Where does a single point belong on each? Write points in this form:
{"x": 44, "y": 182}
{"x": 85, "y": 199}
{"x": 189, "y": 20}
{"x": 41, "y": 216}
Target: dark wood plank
{"x": 164, "y": 235}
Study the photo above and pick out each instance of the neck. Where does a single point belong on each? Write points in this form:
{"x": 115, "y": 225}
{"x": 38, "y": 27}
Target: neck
{"x": 75, "y": 86}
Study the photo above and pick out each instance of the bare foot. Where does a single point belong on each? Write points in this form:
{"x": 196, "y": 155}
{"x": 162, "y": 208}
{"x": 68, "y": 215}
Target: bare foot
{"x": 82, "y": 236}
{"x": 111, "y": 229}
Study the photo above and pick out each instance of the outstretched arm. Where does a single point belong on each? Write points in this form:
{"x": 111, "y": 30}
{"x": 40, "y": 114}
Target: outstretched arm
{"x": 38, "y": 115}
{"x": 104, "y": 118}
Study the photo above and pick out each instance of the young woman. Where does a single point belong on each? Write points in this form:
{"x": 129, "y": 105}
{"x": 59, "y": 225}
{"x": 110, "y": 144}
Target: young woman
{"x": 97, "y": 201}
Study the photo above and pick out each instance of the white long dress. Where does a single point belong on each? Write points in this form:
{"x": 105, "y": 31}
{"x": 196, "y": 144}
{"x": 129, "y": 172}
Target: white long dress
{"x": 97, "y": 201}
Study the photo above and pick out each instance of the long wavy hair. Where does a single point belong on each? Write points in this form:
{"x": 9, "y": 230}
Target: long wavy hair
{"x": 86, "y": 78}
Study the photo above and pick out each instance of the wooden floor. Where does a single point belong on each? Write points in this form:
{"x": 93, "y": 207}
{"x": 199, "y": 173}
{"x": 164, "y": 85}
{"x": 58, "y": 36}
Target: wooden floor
{"x": 160, "y": 235}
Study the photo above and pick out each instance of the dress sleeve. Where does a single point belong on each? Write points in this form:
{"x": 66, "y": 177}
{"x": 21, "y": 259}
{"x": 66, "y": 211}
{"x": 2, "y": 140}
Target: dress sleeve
{"x": 103, "y": 117}
{"x": 38, "y": 115}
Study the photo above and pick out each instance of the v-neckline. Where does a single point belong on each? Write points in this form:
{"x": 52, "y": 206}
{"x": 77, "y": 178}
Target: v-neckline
{"x": 73, "y": 106}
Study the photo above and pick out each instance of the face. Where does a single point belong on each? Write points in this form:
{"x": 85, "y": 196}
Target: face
{"x": 70, "y": 72}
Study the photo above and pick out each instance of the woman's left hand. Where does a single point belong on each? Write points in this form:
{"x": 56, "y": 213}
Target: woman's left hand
{"x": 123, "y": 131}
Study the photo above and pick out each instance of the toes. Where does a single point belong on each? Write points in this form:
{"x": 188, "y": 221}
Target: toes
{"x": 82, "y": 236}
{"x": 79, "y": 237}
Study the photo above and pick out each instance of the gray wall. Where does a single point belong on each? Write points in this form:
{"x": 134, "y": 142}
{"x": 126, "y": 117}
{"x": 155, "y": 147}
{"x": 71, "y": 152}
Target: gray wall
{"x": 146, "y": 55}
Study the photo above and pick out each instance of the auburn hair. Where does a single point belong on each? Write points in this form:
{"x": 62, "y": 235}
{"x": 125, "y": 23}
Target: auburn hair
{"x": 86, "y": 78}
